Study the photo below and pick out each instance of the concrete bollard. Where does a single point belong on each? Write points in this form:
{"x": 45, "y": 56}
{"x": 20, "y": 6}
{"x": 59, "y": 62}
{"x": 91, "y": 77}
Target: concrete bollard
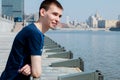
{"x": 70, "y": 63}
{"x": 67, "y": 55}
{"x": 51, "y": 43}
{"x": 31, "y": 78}
{"x": 56, "y": 50}
{"x": 83, "y": 76}
{"x": 52, "y": 46}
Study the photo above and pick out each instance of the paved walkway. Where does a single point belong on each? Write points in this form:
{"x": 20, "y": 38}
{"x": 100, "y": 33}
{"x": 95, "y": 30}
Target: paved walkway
{"x": 6, "y": 40}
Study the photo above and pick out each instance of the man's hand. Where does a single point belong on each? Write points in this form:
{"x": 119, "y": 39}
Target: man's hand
{"x": 26, "y": 70}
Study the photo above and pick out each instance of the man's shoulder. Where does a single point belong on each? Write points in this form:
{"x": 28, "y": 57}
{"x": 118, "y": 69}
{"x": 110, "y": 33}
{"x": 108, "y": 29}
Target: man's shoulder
{"x": 30, "y": 26}
{"x": 28, "y": 29}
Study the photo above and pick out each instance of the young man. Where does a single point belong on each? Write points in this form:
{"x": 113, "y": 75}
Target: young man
{"x": 25, "y": 56}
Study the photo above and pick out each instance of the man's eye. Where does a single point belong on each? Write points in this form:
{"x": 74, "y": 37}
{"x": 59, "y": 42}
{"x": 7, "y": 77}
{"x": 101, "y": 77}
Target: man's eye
{"x": 60, "y": 16}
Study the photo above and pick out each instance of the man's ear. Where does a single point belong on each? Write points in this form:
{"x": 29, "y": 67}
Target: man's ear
{"x": 42, "y": 12}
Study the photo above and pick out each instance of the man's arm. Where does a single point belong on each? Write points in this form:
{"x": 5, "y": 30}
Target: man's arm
{"x": 36, "y": 66}
{"x": 34, "y": 69}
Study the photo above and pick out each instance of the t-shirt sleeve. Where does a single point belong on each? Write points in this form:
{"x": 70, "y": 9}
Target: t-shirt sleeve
{"x": 35, "y": 44}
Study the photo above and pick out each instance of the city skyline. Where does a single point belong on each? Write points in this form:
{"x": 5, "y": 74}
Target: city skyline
{"x": 80, "y": 10}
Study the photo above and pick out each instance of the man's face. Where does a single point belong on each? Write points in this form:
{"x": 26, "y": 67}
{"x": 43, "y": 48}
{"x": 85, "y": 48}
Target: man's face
{"x": 52, "y": 16}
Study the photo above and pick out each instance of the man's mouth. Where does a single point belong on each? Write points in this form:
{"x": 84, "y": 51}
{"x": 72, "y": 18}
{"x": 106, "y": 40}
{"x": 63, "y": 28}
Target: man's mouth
{"x": 54, "y": 23}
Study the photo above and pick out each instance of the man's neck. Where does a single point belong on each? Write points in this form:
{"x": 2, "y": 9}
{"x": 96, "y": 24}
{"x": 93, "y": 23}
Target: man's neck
{"x": 41, "y": 27}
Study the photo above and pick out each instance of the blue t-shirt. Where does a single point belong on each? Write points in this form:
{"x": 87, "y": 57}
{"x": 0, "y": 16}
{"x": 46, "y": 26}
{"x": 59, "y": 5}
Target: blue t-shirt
{"x": 29, "y": 41}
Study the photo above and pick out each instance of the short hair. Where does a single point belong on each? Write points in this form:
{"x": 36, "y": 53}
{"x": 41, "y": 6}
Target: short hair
{"x": 46, "y": 4}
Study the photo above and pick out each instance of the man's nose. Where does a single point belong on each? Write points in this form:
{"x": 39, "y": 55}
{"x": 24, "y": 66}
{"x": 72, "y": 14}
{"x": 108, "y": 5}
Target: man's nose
{"x": 58, "y": 19}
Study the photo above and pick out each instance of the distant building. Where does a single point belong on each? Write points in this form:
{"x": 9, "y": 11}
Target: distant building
{"x": 14, "y": 8}
{"x": 107, "y": 23}
{"x": 93, "y": 20}
{"x": 68, "y": 20}
{"x": 101, "y": 24}
{"x": 118, "y": 17}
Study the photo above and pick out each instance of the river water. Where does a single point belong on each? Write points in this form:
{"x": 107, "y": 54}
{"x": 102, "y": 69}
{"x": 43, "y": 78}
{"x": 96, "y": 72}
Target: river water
{"x": 100, "y": 50}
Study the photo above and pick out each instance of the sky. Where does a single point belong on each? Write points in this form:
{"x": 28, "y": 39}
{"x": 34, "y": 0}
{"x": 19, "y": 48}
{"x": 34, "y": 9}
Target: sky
{"x": 80, "y": 10}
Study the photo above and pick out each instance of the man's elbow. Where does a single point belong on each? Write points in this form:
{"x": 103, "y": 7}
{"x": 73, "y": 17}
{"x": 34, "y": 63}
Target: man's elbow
{"x": 36, "y": 74}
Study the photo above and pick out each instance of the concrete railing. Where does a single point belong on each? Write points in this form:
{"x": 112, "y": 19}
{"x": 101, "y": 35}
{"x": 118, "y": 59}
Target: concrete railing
{"x": 56, "y": 51}
{"x": 6, "y": 23}
{"x": 7, "y": 17}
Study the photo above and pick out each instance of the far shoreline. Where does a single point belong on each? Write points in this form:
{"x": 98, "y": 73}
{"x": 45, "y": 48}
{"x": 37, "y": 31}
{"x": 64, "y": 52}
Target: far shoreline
{"x": 84, "y": 29}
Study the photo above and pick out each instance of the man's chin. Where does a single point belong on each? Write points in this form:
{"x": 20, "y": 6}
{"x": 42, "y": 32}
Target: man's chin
{"x": 53, "y": 28}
